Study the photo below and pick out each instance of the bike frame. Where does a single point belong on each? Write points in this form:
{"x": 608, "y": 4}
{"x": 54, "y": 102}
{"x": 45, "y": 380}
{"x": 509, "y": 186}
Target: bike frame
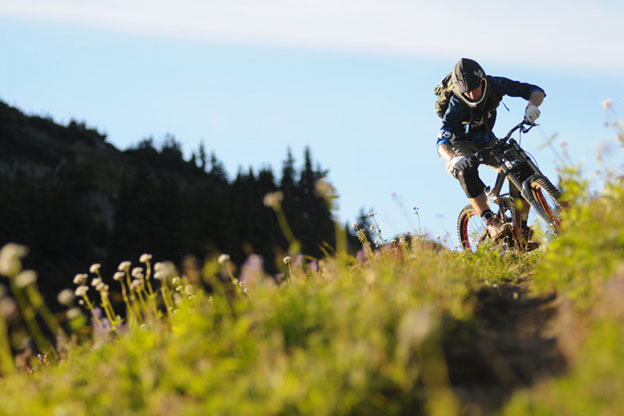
{"x": 510, "y": 158}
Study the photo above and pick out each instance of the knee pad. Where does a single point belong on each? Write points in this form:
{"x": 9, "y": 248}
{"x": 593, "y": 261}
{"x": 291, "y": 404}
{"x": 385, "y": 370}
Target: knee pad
{"x": 470, "y": 182}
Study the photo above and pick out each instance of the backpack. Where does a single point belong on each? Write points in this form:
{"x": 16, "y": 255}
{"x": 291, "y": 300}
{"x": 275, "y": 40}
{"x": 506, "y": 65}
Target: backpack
{"x": 444, "y": 92}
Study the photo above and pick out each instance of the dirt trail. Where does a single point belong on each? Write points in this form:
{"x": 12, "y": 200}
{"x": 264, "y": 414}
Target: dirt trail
{"x": 509, "y": 346}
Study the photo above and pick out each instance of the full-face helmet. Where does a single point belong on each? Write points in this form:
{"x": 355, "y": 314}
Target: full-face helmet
{"x": 468, "y": 76}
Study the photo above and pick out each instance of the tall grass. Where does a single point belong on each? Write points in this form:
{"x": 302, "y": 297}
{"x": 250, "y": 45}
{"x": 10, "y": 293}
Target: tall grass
{"x": 338, "y": 336}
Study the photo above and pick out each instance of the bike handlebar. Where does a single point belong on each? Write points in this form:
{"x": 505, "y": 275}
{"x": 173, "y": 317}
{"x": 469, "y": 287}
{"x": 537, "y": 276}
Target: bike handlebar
{"x": 523, "y": 126}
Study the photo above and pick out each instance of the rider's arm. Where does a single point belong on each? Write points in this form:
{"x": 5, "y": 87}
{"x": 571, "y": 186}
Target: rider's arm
{"x": 536, "y": 98}
{"x": 451, "y": 128}
{"x": 506, "y": 86}
{"x": 446, "y": 152}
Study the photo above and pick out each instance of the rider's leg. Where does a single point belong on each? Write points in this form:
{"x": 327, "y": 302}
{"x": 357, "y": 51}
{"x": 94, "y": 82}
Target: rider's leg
{"x": 474, "y": 188}
{"x": 480, "y": 203}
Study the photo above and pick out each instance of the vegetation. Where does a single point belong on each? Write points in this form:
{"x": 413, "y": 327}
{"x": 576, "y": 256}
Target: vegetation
{"x": 405, "y": 327}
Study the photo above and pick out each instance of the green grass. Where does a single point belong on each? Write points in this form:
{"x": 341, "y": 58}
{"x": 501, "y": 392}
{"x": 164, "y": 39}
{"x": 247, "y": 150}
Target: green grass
{"x": 347, "y": 337}
{"x": 585, "y": 265}
{"x": 350, "y": 338}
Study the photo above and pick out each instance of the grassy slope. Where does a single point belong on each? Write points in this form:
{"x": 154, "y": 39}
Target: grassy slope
{"x": 349, "y": 338}
{"x": 586, "y": 266}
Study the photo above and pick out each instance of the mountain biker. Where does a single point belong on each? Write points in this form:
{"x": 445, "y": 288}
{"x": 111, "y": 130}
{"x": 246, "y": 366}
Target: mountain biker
{"x": 467, "y": 127}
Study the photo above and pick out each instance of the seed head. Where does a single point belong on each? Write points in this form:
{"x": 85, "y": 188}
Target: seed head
{"x": 80, "y": 279}
{"x": 73, "y": 313}
{"x": 145, "y": 258}
{"x": 137, "y": 273}
{"x": 124, "y": 265}
{"x": 273, "y": 199}
{"x": 81, "y": 291}
{"x": 163, "y": 270}
{"x": 10, "y": 256}
{"x": 8, "y": 308}
{"x": 25, "y": 278}
{"x": 135, "y": 285}
{"x": 324, "y": 189}
{"x": 66, "y": 297}
{"x": 95, "y": 268}
{"x": 119, "y": 276}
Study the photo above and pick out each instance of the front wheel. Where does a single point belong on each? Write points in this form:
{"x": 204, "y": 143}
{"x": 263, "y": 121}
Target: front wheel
{"x": 546, "y": 195}
{"x": 471, "y": 228}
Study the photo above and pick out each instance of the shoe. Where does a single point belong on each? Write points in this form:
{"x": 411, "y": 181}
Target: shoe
{"x": 497, "y": 229}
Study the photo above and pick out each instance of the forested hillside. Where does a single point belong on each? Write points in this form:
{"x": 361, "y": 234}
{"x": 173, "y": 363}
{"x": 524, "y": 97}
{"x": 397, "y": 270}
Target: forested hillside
{"x": 72, "y": 197}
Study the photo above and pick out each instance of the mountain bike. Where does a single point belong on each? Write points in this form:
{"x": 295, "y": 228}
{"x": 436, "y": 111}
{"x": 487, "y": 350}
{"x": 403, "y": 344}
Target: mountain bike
{"x": 527, "y": 184}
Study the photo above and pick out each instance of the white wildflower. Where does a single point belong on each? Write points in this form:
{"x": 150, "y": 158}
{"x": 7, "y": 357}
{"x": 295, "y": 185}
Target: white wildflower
{"x": 137, "y": 273}
{"x": 124, "y": 266}
{"x": 324, "y": 189}
{"x": 188, "y": 290}
{"x": 177, "y": 299}
{"x": 80, "y": 279}
{"x": 66, "y": 297}
{"x": 135, "y": 285}
{"x": 95, "y": 282}
{"x": 100, "y": 287}
{"x": 176, "y": 281}
{"x": 10, "y": 256}
{"x": 287, "y": 260}
{"x": 223, "y": 258}
{"x": 25, "y": 278}
{"x": 145, "y": 258}
{"x": 73, "y": 313}
{"x": 119, "y": 276}
{"x": 95, "y": 268}
{"x": 81, "y": 291}
{"x": 273, "y": 199}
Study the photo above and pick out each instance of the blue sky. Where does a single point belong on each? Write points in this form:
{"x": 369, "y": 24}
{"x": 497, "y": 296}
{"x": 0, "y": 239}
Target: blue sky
{"x": 351, "y": 80}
